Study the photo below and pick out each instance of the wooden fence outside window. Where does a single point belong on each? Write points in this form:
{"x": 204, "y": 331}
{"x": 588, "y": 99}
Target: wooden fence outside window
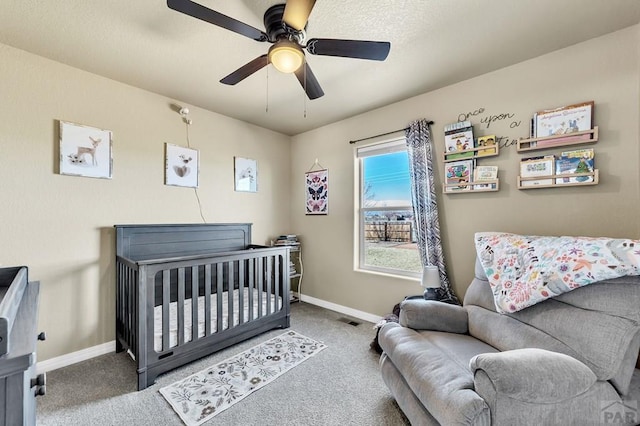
{"x": 389, "y": 231}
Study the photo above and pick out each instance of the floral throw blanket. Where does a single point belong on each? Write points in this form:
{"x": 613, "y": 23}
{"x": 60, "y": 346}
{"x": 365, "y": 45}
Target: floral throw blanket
{"x": 524, "y": 270}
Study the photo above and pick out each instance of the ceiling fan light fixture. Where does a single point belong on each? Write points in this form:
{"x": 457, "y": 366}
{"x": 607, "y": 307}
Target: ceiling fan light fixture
{"x": 286, "y": 56}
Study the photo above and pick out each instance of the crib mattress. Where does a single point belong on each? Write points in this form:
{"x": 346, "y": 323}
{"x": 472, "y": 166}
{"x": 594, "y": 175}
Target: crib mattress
{"x": 173, "y": 315}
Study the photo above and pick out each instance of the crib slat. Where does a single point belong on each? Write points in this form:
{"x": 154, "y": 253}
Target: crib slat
{"x": 166, "y": 300}
{"x": 276, "y": 283}
{"x": 268, "y": 283}
{"x": 118, "y": 293}
{"x": 259, "y": 283}
{"x": 241, "y": 288}
{"x": 132, "y": 320}
{"x": 250, "y": 286}
{"x": 119, "y": 310}
{"x": 122, "y": 288}
{"x": 180, "y": 306}
{"x": 219, "y": 293}
{"x": 126, "y": 290}
{"x": 230, "y": 294}
{"x": 207, "y": 299}
{"x": 194, "y": 302}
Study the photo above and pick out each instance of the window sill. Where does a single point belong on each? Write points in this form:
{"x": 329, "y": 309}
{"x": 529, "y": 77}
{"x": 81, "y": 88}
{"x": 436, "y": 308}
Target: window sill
{"x": 415, "y": 278}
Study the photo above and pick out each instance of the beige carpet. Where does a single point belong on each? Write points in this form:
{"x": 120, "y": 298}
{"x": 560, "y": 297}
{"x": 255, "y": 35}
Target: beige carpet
{"x": 339, "y": 386}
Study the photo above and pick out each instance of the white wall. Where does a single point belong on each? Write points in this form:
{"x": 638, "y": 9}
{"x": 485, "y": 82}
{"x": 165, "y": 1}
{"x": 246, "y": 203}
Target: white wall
{"x": 602, "y": 69}
{"x": 62, "y": 226}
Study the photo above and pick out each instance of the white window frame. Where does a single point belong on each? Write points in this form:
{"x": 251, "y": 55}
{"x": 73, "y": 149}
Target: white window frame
{"x": 378, "y": 148}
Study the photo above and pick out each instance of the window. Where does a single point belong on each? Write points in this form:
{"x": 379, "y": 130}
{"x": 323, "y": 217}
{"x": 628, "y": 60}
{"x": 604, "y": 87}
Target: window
{"x": 386, "y": 233}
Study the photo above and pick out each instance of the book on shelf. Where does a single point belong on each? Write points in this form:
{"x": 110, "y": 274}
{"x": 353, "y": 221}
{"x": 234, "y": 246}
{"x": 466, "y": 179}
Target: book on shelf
{"x": 485, "y": 174}
{"x": 537, "y": 166}
{"x": 486, "y": 141}
{"x": 287, "y": 240}
{"x": 573, "y": 162}
{"x": 458, "y": 174}
{"x": 563, "y": 121}
{"x": 458, "y": 137}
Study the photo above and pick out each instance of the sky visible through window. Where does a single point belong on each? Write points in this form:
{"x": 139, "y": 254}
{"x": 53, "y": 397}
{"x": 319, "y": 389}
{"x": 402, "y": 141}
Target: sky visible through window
{"x": 388, "y": 176}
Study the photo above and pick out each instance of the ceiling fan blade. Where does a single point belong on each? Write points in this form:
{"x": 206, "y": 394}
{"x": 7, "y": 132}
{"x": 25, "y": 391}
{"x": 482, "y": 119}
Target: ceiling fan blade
{"x": 311, "y": 86}
{"x": 361, "y": 49}
{"x": 246, "y": 70}
{"x": 211, "y": 16}
{"x": 296, "y": 13}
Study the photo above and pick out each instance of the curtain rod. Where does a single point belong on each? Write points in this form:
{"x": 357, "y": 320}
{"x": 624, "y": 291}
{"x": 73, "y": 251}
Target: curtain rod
{"x": 384, "y": 134}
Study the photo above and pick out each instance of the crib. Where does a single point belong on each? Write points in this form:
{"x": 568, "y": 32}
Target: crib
{"x": 186, "y": 291}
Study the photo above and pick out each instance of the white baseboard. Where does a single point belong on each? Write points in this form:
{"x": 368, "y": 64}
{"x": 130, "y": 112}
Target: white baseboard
{"x": 105, "y": 348}
{"x": 75, "y": 357}
{"x": 365, "y": 316}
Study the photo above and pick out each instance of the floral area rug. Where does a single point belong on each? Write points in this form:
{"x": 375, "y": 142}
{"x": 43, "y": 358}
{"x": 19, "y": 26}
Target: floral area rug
{"x": 201, "y": 396}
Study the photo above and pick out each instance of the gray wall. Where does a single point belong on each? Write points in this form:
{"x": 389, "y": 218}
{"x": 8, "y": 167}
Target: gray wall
{"x": 604, "y": 69}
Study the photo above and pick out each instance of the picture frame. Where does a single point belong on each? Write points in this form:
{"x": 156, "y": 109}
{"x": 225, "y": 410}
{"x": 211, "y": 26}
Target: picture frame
{"x": 317, "y": 192}
{"x": 181, "y": 166}
{"x": 85, "y": 151}
{"x": 245, "y": 174}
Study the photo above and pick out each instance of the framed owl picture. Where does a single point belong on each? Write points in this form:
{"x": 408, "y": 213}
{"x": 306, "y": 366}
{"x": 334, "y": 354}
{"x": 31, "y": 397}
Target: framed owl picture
{"x": 317, "y": 192}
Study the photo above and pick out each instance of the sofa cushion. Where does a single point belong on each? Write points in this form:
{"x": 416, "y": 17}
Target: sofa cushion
{"x": 406, "y": 399}
{"x": 435, "y": 366}
{"x": 433, "y": 315}
{"x": 596, "y": 324}
{"x": 534, "y": 375}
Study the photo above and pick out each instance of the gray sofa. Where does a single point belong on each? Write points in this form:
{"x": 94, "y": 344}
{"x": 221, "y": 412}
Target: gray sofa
{"x": 569, "y": 360}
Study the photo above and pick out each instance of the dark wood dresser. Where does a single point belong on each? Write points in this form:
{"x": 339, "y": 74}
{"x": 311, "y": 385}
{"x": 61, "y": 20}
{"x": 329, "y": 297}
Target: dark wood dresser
{"x": 19, "y": 384}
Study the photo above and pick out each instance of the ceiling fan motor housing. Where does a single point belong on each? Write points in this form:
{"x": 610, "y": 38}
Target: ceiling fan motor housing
{"x": 274, "y": 25}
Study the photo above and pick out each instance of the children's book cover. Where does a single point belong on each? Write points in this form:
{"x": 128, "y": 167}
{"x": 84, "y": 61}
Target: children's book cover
{"x": 564, "y": 121}
{"x": 489, "y": 142}
{"x": 485, "y": 174}
{"x": 458, "y": 137}
{"x": 537, "y": 166}
{"x": 458, "y": 174}
{"x": 575, "y": 162}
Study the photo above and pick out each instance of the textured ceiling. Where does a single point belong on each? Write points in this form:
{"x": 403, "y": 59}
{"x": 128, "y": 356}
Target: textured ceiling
{"x": 434, "y": 43}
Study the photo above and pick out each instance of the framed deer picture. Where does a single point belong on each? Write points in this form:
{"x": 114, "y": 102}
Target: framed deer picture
{"x": 85, "y": 151}
{"x": 181, "y": 166}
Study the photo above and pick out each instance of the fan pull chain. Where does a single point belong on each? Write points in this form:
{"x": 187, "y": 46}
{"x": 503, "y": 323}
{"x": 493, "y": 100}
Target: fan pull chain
{"x": 267, "y": 106}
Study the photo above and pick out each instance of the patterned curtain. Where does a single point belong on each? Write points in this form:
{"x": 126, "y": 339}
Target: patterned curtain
{"x": 425, "y": 207}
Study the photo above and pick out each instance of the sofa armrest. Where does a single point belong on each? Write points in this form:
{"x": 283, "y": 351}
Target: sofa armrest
{"x": 432, "y": 315}
{"x": 530, "y": 375}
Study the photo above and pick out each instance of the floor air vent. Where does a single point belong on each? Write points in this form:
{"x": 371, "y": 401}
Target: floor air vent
{"x": 349, "y": 321}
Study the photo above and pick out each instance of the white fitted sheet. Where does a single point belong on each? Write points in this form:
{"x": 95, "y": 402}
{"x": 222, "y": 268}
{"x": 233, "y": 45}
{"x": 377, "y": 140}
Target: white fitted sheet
{"x": 173, "y": 315}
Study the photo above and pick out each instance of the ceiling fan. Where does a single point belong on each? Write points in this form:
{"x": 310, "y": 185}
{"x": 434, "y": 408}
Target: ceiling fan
{"x": 285, "y": 28}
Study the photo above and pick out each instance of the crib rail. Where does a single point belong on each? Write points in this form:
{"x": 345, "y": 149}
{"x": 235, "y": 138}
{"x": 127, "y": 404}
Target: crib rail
{"x": 198, "y": 300}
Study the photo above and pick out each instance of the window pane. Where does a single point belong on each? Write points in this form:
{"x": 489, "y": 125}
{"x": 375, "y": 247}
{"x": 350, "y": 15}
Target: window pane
{"x": 386, "y": 180}
{"x": 390, "y": 240}
{"x": 387, "y": 240}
